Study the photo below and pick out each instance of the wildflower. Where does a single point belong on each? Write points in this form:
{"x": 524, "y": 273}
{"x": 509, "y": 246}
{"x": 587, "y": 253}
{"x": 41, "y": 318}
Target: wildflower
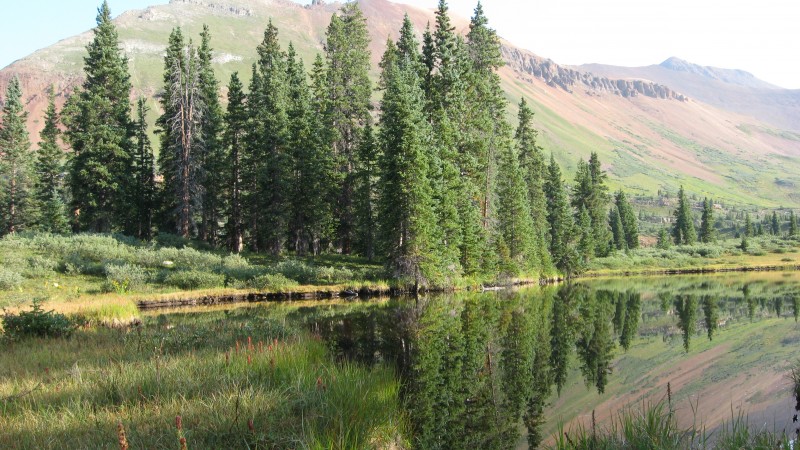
{"x": 123, "y": 440}
{"x": 250, "y": 426}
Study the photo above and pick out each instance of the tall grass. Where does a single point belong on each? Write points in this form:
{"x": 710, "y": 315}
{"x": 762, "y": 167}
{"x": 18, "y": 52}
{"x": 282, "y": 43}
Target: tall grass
{"x": 238, "y": 380}
{"x": 654, "y": 427}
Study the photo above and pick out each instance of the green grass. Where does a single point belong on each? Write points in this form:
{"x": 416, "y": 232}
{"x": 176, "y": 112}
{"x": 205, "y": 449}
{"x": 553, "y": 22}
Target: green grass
{"x": 244, "y": 379}
{"x": 654, "y": 426}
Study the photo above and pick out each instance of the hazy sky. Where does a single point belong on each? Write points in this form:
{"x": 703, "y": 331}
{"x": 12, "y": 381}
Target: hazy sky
{"x": 762, "y": 37}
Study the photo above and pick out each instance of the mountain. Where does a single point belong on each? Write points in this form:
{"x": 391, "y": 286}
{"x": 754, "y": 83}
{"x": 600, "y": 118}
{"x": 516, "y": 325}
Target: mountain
{"x": 731, "y": 89}
{"x": 651, "y": 133}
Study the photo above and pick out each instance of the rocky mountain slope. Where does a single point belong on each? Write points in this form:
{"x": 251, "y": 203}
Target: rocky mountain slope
{"x": 731, "y": 89}
{"x": 651, "y": 133}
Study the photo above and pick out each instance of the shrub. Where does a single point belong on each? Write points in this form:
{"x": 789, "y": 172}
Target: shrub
{"x": 9, "y": 279}
{"x": 171, "y": 240}
{"x": 124, "y": 278}
{"x": 37, "y": 323}
{"x": 194, "y": 279}
{"x": 296, "y": 270}
{"x": 39, "y": 267}
{"x": 273, "y": 283}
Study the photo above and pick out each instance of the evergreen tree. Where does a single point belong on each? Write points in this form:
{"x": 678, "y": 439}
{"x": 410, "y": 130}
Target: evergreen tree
{"x": 16, "y": 164}
{"x": 269, "y": 162}
{"x": 591, "y": 192}
{"x": 792, "y": 223}
{"x": 534, "y": 169}
{"x": 312, "y": 165}
{"x": 183, "y": 147}
{"x": 143, "y": 186}
{"x": 347, "y": 105}
{"x": 628, "y": 218}
{"x": 707, "y": 230}
{"x": 749, "y": 230}
{"x": 586, "y": 235}
{"x": 408, "y": 231}
{"x": 514, "y": 220}
{"x": 683, "y": 231}
{"x": 617, "y": 230}
{"x": 559, "y": 216}
{"x": 366, "y": 194}
{"x": 234, "y": 143}
{"x": 664, "y": 241}
{"x": 213, "y": 172}
{"x": 775, "y": 225}
{"x": 99, "y": 130}
{"x": 49, "y": 168}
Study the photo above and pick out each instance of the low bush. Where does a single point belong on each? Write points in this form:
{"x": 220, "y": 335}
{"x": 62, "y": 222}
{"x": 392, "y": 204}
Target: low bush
{"x": 272, "y": 283}
{"x": 9, "y": 279}
{"x": 36, "y": 323}
{"x": 124, "y": 278}
{"x": 39, "y": 267}
{"x": 194, "y": 279}
{"x": 296, "y": 270}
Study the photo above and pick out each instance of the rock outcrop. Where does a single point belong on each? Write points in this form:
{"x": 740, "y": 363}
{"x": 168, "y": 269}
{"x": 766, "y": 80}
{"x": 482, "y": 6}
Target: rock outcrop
{"x": 570, "y": 79}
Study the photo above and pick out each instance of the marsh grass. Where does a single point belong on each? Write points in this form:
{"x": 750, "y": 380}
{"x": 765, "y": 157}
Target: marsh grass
{"x": 239, "y": 379}
{"x": 654, "y": 426}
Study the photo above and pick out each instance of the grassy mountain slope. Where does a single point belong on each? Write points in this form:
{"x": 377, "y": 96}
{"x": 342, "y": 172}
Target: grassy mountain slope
{"x": 647, "y": 143}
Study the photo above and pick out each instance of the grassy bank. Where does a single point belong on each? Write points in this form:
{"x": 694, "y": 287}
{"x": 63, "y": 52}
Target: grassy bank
{"x": 242, "y": 379}
{"x": 763, "y": 252}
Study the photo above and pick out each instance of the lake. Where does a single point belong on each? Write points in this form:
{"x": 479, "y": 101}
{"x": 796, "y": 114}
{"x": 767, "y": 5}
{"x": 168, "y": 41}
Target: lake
{"x": 482, "y": 369}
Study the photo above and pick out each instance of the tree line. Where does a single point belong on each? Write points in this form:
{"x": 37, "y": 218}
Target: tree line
{"x": 431, "y": 179}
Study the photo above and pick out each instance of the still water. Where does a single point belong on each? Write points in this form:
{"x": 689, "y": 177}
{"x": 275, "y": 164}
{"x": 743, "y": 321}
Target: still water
{"x": 508, "y": 368}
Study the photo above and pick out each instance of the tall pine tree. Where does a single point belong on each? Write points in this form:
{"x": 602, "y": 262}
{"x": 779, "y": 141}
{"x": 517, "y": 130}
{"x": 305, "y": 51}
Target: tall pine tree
{"x": 408, "y": 230}
{"x": 99, "y": 131}
{"x": 49, "y": 168}
{"x": 16, "y": 164}
{"x": 628, "y": 218}
{"x": 514, "y": 221}
{"x": 212, "y": 159}
{"x": 347, "y": 106}
{"x": 143, "y": 187}
{"x": 312, "y": 162}
{"x": 562, "y": 225}
{"x": 534, "y": 168}
{"x": 707, "y": 231}
{"x": 269, "y": 162}
{"x": 683, "y": 231}
{"x": 234, "y": 142}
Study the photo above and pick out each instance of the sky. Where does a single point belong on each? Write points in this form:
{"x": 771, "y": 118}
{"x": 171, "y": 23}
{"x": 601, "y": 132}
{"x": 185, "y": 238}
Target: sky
{"x": 761, "y": 37}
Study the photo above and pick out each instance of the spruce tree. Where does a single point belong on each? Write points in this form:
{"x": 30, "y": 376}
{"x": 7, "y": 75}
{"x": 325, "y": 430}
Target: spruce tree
{"x": 16, "y": 164}
{"x": 617, "y": 230}
{"x": 749, "y": 229}
{"x": 234, "y": 142}
{"x": 514, "y": 221}
{"x": 664, "y": 241}
{"x": 591, "y": 192}
{"x": 183, "y": 145}
{"x": 49, "y": 169}
{"x": 212, "y": 159}
{"x": 408, "y": 231}
{"x": 99, "y": 131}
{"x": 347, "y": 105}
{"x": 534, "y": 169}
{"x": 683, "y": 231}
{"x": 312, "y": 162}
{"x": 366, "y": 194}
{"x": 775, "y": 225}
{"x": 143, "y": 187}
{"x": 707, "y": 231}
{"x": 628, "y": 217}
{"x": 269, "y": 163}
{"x": 792, "y": 223}
{"x": 585, "y": 235}
{"x": 562, "y": 226}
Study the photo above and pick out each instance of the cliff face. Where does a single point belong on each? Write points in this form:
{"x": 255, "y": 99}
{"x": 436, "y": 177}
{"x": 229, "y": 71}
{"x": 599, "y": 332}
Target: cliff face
{"x": 570, "y": 79}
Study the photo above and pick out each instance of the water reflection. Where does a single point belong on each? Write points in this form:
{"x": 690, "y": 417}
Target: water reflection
{"x": 479, "y": 368}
